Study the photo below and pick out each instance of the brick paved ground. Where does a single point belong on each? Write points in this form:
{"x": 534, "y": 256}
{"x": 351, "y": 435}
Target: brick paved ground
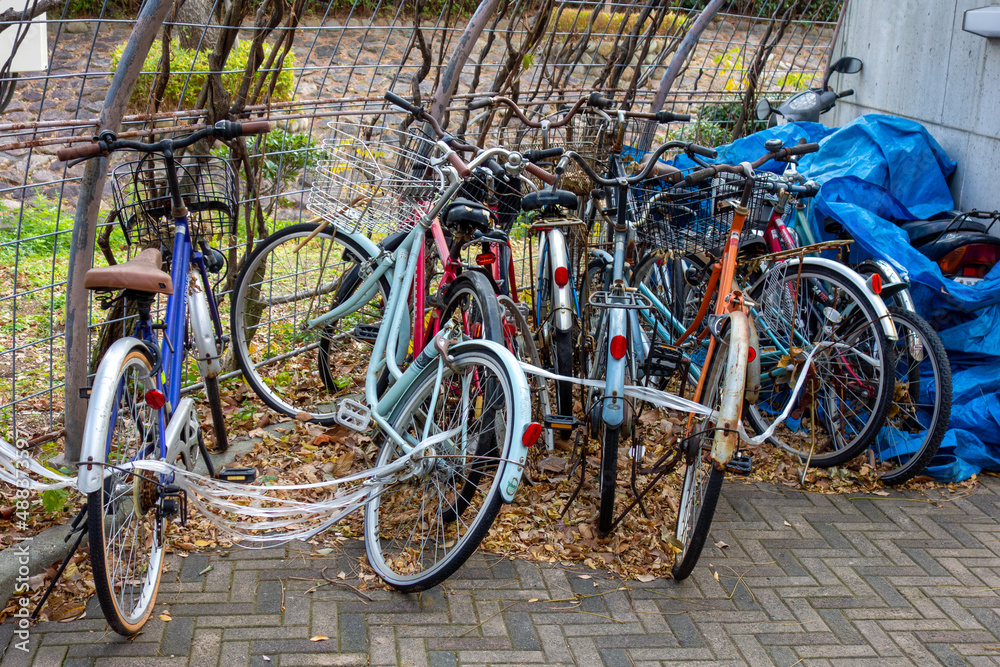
{"x": 807, "y": 580}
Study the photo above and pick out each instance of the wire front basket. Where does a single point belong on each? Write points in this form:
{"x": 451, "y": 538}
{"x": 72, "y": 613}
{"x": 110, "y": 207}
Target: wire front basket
{"x": 683, "y": 219}
{"x": 379, "y": 177}
{"x": 142, "y": 199}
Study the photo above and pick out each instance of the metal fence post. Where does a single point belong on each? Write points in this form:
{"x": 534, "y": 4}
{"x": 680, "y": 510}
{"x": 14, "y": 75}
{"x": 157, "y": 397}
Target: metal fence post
{"x": 84, "y": 236}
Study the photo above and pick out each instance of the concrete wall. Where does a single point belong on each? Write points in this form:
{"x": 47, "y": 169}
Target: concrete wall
{"x": 919, "y": 64}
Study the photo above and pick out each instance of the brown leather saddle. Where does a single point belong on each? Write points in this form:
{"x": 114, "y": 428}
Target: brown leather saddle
{"x": 142, "y": 273}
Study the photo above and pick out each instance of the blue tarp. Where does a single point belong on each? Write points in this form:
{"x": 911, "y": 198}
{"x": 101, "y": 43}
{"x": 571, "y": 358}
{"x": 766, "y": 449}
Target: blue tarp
{"x": 880, "y": 167}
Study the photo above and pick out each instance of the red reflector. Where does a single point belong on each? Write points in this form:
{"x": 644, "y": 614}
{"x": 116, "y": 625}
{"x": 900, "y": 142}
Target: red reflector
{"x": 155, "y": 399}
{"x": 531, "y": 433}
{"x": 876, "y": 281}
{"x": 618, "y": 346}
{"x": 751, "y": 354}
{"x": 486, "y": 259}
{"x": 562, "y": 276}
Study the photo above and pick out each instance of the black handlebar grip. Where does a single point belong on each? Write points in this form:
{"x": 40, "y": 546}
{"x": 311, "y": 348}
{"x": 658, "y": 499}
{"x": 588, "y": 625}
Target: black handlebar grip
{"x": 542, "y": 154}
{"x": 670, "y": 117}
{"x": 810, "y": 190}
{"x": 704, "y": 151}
{"x": 846, "y": 93}
{"x": 400, "y": 102}
{"x": 254, "y": 127}
{"x": 481, "y": 103}
{"x": 599, "y": 101}
{"x": 700, "y": 175}
{"x": 801, "y": 149}
{"x": 87, "y": 150}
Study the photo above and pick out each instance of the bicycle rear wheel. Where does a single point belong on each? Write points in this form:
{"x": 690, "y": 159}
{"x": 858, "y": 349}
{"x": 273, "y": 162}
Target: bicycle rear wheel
{"x": 278, "y": 290}
{"x": 422, "y": 527}
{"x": 921, "y": 404}
{"x": 123, "y": 516}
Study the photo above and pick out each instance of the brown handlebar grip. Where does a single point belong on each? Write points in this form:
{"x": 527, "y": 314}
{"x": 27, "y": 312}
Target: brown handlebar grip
{"x": 700, "y": 175}
{"x": 255, "y": 127}
{"x": 458, "y": 163}
{"x": 540, "y": 173}
{"x": 86, "y": 150}
{"x": 802, "y": 149}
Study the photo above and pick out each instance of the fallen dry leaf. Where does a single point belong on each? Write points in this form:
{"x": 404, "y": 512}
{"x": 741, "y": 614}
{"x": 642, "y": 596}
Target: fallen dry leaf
{"x": 319, "y": 638}
{"x": 721, "y": 544}
{"x": 645, "y": 578}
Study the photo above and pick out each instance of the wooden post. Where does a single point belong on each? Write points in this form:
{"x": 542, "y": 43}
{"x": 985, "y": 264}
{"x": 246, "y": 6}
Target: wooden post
{"x": 84, "y": 236}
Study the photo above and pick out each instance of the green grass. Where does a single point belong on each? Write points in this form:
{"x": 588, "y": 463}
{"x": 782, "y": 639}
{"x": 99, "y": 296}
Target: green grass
{"x": 188, "y": 73}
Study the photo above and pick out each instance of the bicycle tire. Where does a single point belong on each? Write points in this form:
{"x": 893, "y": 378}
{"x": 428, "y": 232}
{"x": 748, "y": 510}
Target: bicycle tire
{"x": 848, "y": 423}
{"x": 276, "y": 291}
{"x": 520, "y": 341}
{"x": 909, "y": 410}
{"x": 129, "y": 503}
{"x": 471, "y": 300}
{"x": 406, "y": 526}
{"x": 609, "y": 478}
{"x": 700, "y": 492}
{"x": 562, "y": 343}
{"x": 218, "y": 418}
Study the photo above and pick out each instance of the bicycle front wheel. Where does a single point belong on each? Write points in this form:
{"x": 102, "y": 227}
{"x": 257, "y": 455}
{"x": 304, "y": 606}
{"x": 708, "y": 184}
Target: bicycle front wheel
{"x": 702, "y": 479}
{"x": 126, "y": 528}
{"x": 847, "y": 393}
{"x": 295, "y": 369}
{"x": 421, "y": 527}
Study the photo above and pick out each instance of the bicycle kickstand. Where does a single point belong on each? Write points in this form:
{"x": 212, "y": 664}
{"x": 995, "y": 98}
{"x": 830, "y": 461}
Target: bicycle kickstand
{"x": 77, "y": 527}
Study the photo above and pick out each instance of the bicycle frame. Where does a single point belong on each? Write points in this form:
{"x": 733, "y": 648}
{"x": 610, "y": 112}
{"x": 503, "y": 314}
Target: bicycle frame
{"x": 404, "y": 261}
{"x": 178, "y": 419}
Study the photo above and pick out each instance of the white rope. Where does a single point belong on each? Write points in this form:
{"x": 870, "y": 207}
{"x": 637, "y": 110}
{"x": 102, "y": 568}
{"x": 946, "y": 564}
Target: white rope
{"x": 277, "y": 520}
{"x": 670, "y": 401}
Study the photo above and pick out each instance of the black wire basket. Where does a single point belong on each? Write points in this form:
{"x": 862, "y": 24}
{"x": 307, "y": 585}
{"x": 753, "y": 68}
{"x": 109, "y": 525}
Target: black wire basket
{"x": 685, "y": 219}
{"x": 142, "y": 199}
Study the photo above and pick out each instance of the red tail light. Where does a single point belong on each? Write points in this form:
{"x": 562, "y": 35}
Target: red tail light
{"x": 486, "y": 259}
{"x": 562, "y": 276}
{"x": 875, "y": 282}
{"x": 751, "y": 355}
{"x": 155, "y": 399}
{"x": 973, "y": 261}
{"x": 619, "y": 345}
{"x": 531, "y": 433}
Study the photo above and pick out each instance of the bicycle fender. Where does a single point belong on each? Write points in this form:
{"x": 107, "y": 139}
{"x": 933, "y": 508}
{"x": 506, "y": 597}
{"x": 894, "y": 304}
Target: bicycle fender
{"x": 753, "y": 368}
{"x": 892, "y": 278}
{"x": 850, "y": 274}
{"x": 520, "y": 410}
{"x": 563, "y": 304}
{"x": 613, "y": 400}
{"x": 95, "y": 435}
{"x": 733, "y": 391}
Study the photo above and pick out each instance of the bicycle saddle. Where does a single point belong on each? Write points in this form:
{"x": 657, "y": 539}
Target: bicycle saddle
{"x": 142, "y": 273}
{"x": 663, "y": 171}
{"x": 562, "y": 198}
{"x": 466, "y": 214}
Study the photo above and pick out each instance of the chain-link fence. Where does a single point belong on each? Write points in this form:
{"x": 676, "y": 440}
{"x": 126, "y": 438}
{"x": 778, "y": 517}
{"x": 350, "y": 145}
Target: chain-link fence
{"x": 300, "y": 64}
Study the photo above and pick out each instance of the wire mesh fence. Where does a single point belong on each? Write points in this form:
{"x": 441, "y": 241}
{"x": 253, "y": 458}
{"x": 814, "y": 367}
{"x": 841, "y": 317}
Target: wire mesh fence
{"x": 303, "y": 64}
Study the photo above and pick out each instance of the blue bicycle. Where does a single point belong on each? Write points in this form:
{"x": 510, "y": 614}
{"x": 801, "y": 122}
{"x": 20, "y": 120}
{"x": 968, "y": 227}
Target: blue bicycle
{"x": 177, "y": 204}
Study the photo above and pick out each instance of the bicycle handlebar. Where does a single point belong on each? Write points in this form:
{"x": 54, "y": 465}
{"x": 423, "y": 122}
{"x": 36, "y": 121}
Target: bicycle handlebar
{"x": 780, "y": 154}
{"x": 224, "y": 129}
{"x": 453, "y": 157}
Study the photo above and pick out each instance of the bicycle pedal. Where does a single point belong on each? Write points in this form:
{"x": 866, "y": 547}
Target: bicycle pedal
{"x": 367, "y": 332}
{"x": 741, "y": 464}
{"x": 238, "y": 475}
{"x": 665, "y": 360}
{"x": 559, "y": 422}
{"x": 353, "y": 415}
